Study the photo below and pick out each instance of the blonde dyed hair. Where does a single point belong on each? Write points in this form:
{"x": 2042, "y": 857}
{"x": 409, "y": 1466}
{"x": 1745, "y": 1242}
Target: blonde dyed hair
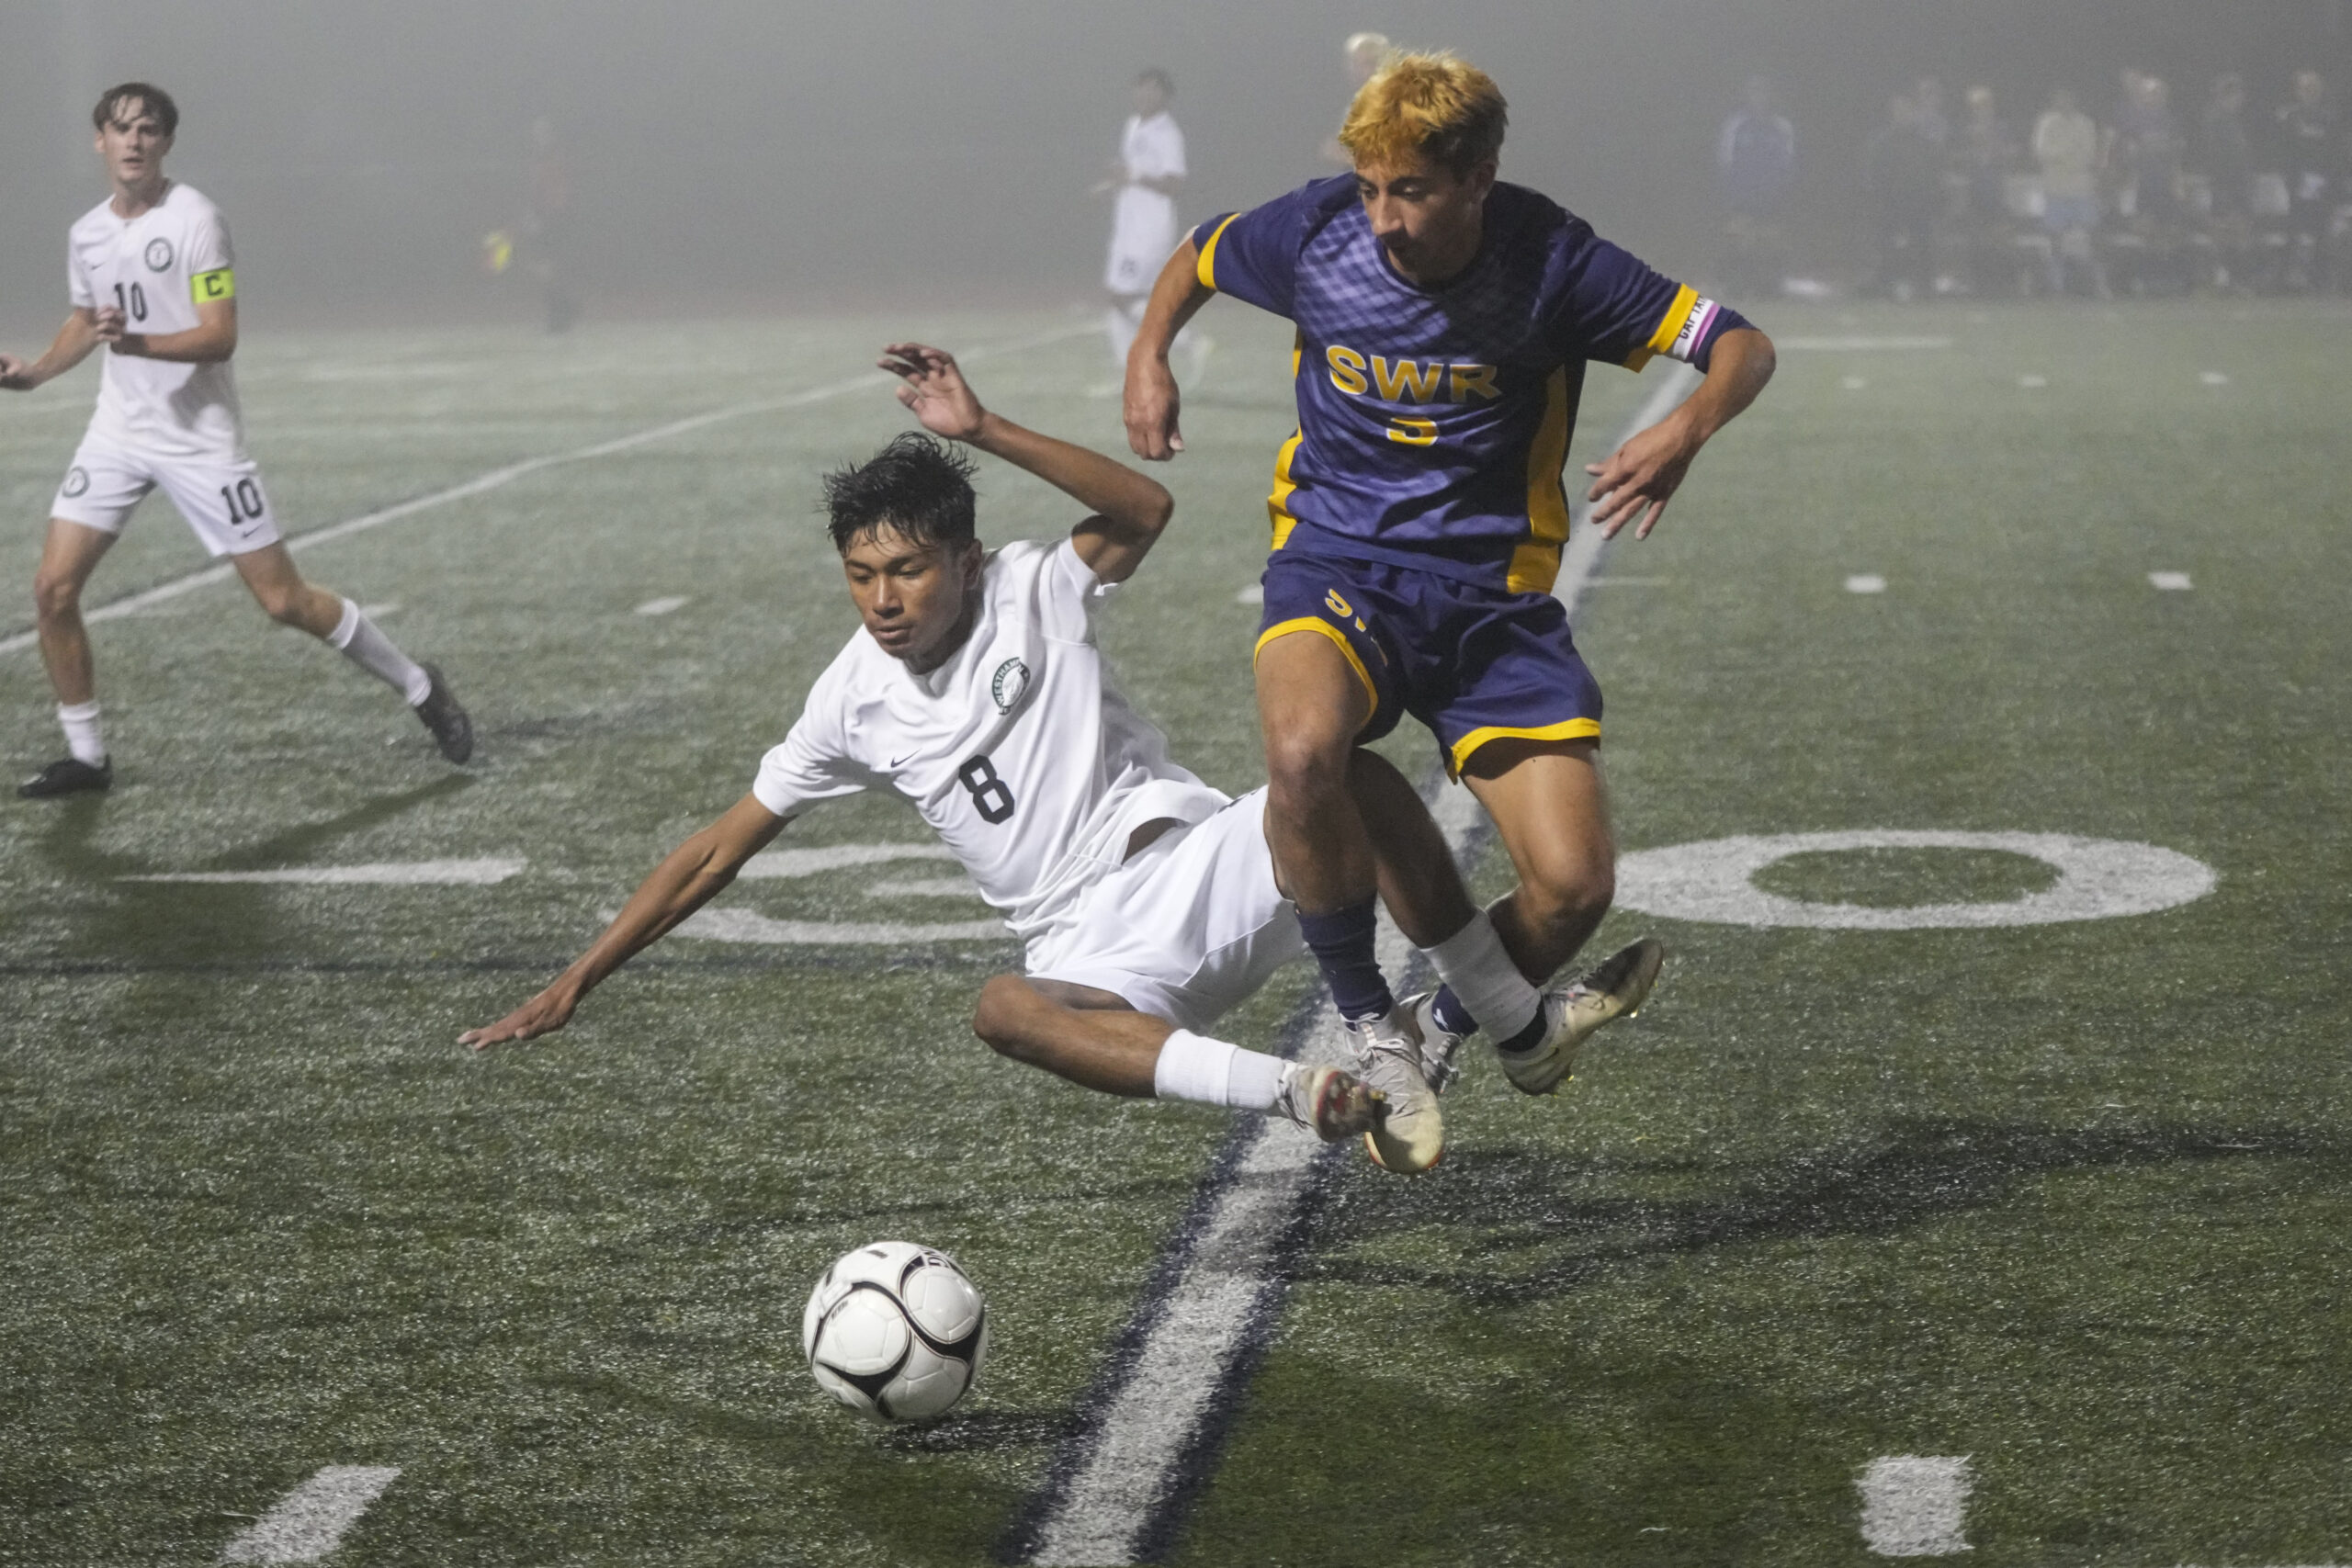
{"x": 1434, "y": 105}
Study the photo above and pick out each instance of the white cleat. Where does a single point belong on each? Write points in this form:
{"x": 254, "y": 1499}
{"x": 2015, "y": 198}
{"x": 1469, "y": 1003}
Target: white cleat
{"x": 1325, "y": 1101}
{"x": 1441, "y": 1047}
{"x": 1615, "y": 988}
{"x": 1408, "y": 1135}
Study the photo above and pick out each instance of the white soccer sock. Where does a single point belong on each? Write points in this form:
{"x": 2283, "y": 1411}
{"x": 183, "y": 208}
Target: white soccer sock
{"x": 82, "y": 736}
{"x": 1192, "y": 1067}
{"x": 1473, "y": 961}
{"x": 361, "y": 643}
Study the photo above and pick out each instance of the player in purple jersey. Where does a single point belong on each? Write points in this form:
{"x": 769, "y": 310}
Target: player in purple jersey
{"x": 1444, "y": 320}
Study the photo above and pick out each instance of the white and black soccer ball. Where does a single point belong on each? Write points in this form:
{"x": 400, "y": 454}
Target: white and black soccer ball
{"x": 896, "y": 1331}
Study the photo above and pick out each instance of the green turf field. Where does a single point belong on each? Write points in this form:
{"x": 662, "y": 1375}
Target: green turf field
{"x": 2068, "y": 1201}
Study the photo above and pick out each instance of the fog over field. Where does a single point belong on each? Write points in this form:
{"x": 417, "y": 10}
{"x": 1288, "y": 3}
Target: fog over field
{"x": 727, "y": 156}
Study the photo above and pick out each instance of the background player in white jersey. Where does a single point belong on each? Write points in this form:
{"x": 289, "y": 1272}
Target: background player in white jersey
{"x": 1145, "y": 899}
{"x": 1144, "y": 180}
{"x": 151, "y": 278}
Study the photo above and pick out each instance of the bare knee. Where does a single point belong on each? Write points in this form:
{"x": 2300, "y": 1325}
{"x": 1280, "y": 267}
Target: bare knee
{"x": 284, "y": 605}
{"x": 57, "y": 596}
{"x": 1307, "y": 770}
{"x": 1567, "y": 892}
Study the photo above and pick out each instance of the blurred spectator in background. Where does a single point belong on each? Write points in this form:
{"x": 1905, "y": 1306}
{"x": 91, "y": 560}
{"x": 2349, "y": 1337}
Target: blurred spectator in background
{"x": 2308, "y": 152}
{"x": 2223, "y": 156}
{"x": 1756, "y": 163}
{"x": 537, "y": 244}
{"x": 1903, "y": 174}
{"x": 2145, "y": 160}
{"x": 1927, "y": 113}
{"x": 2066, "y": 148}
{"x": 1986, "y": 155}
{"x": 2224, "y": 150}
{"x": 1364, "y": 53}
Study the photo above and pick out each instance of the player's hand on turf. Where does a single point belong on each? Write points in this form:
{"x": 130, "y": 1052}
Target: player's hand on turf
{"x": 1150, "y": 411}
{"x": 543, "y": 1014}
{"x": 934, "y": 389}
{"x": 1638, "y": 480}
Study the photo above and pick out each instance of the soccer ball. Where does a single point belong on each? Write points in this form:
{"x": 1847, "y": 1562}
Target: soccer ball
{"x": 894, "y": 1331}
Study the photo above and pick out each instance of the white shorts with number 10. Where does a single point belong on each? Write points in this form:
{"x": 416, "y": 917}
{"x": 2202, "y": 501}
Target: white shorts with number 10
{"x": 221, "y": 499}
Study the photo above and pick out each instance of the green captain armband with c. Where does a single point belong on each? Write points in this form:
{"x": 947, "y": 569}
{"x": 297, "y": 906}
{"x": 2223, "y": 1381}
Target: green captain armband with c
{"x": 219, "y": 284}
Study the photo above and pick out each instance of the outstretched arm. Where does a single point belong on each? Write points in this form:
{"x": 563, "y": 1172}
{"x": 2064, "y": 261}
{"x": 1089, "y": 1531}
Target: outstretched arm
{"x": 72, "y": 345}
{"x": 1152, "y": 401}
{"x": 693, "y": 874}
{"x": 1129, "y": 510}
{"x": 1642, "y": 476}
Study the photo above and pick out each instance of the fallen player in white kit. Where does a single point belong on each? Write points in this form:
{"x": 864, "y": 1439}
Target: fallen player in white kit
{"x": 1145, "y": 899}
{"x": 151, "y": 278}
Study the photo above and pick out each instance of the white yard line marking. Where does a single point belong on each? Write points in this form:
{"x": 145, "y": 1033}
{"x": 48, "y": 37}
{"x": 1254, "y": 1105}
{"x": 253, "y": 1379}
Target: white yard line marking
{"x": 310, "y": 1522}
{"x": 1613, "y": 580}
{"x": 1230, "y": 1280}
{"x": 2033, "y": 382}
{"x": 2212, "y": 379}
{"x": 1859, "y": 345}
{"x": 1252, "y": 593}
{"x": 384, "y": 874}
{"x": 1866, "y": 582}
{"x": 1853, "y": 383}
{"x": 377, "y": 612}
{"x": 499, "y": 478}
{"x": 664, "y": 605}
{"x": 2170, "y": 582}
{"x": 1914, "y": 1505}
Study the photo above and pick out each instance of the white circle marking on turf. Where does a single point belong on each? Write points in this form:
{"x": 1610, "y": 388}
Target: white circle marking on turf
{"x": 774, "y": 865}
{"x": 2033, "y": 380}
{"x": 2099, "y": 879}
{"x": 2169, "y": 582}
{"x": 1866, "y": 582}
{"x": 2212, "y": 377}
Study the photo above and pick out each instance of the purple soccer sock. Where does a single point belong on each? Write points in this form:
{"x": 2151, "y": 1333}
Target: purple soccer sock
{"x": 1343, "y": 945}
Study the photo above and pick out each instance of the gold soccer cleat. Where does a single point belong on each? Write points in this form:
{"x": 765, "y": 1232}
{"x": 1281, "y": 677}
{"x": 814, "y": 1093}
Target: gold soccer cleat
{"x": 1614, "y": 990}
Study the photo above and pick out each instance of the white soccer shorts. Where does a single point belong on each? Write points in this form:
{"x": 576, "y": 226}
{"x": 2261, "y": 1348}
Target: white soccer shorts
{"x": 223, "y": 501}
{"x": 1189, "y": 927}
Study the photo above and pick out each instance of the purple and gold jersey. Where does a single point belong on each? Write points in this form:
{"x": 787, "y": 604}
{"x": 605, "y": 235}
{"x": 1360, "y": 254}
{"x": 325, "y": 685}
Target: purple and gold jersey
{"x": 1433, "y": 423}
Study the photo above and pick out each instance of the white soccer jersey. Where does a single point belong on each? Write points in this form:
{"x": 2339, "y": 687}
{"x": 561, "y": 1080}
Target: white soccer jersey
{"x": 1143, "y": 224}
{"x": 1018, "y": 751}
{"x": 155, "y": 267}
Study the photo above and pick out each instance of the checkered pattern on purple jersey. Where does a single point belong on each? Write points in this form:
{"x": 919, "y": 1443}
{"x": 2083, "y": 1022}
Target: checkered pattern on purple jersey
{"x": 1434, "y": 423}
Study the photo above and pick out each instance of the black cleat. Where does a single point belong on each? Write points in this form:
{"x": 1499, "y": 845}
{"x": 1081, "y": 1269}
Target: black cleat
{"x": 452, "y": 730}
{"x": 67, "y": 776}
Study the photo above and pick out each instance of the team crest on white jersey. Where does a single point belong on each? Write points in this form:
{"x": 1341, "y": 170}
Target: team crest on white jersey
{"x": 159, "y": 254}
{"x": 1009, "y": 684}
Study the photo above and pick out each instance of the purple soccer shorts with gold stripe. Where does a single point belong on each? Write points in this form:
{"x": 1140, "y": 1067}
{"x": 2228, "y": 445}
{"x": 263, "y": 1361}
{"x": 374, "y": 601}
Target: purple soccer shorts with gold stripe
{"x": 1474, "y": 663}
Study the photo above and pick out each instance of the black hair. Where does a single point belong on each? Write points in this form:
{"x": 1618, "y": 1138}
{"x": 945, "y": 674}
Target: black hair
{"x": 152, "y": 99}
{"x": 917, "y": 485}
{"x": 1161, "y": 78}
